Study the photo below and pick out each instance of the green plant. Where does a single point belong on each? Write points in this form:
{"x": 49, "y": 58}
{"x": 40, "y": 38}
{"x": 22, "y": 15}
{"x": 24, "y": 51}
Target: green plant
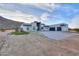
{"x": 19, "y": 33}
{"x": 77, "y": 30}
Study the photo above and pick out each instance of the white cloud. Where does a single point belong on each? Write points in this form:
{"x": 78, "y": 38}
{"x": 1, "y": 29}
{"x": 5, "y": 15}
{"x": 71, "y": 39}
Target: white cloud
{"x": 44, "y": 16}
{"x": 12, "y": 11}
{"x": 18, "y": 16}
{"x": 44, "y": 6}
{"x": 74, "y": 22}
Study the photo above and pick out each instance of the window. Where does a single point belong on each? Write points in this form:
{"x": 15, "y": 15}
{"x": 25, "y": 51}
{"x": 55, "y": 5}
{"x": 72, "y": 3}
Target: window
{"x": 41, "y": 27}
{"x": 27, "y": 28}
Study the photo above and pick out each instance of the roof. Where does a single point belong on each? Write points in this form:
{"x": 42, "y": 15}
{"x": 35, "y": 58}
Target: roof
{"x": 46, "y": 26}
{"x": 61, "y": 24}
{"x": 26, "y": 24}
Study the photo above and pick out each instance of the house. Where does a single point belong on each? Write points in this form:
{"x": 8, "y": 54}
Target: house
{"x": 38, "y": 26}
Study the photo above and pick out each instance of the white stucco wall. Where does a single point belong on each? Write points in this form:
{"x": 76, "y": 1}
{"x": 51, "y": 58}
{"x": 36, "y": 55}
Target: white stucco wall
{"x": 33, "y": 27}
{"x": 65, "y": 28}
{"x": 24, "y": 28}
{"x": 46, "y": 29}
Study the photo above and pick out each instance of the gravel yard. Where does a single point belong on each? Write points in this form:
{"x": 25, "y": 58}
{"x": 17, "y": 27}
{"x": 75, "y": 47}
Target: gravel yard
{"x": 36, "y": 44}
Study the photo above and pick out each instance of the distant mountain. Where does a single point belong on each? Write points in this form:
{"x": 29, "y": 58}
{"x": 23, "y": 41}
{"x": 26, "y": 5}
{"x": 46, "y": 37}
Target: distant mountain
{"x": 9, "y": 24}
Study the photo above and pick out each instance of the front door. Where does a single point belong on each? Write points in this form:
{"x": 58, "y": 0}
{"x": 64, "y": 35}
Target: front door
{"x": 38, "y": 26}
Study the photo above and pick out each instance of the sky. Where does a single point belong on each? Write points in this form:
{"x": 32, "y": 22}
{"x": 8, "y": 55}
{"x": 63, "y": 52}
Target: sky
{"x": 47, "y": 13}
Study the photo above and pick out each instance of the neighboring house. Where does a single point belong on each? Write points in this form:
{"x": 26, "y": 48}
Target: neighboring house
{"x": 38, "y": 26}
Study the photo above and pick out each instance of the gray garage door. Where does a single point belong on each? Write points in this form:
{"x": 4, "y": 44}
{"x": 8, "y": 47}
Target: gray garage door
{"x": 59, "y": 29}
{"x": 52, "y": 29}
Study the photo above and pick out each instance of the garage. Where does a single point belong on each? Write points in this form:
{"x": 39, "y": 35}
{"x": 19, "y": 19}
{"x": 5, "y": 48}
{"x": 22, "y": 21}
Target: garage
{"x": 52, "y": 29}
{"x": 59, "y": 29}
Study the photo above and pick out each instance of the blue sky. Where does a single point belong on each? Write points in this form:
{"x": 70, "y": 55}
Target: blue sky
{"x": 48, "y": 13}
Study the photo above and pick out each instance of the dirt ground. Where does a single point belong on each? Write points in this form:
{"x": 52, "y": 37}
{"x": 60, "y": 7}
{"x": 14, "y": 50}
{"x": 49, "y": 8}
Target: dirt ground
{"x": 35, "y": 44}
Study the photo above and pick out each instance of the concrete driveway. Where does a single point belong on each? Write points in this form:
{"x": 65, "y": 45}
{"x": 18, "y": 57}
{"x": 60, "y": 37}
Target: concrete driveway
{"x": 58, "y": 35}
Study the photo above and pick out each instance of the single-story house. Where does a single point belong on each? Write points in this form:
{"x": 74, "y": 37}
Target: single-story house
{"x": 38, "y": 26}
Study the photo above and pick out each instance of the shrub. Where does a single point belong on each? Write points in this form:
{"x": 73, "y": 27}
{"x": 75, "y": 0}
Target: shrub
{"x": 74, "y": 30}
{"x": 77, "y": 30}
{"x": 19, "y": 33}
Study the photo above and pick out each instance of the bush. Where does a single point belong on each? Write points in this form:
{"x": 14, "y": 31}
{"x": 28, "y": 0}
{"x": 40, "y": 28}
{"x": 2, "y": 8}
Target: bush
{"x": 77, "y": 30}
{"x": 74, "y": 30}
{"x": 19, "y": 33}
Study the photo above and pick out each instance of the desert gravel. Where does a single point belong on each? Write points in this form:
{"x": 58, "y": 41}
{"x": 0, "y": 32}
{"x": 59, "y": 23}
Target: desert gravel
{"x": 35, "y": 44}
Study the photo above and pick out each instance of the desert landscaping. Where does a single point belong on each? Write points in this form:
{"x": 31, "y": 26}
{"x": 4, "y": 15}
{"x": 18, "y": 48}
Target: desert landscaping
{"x": 37, "y": 44}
